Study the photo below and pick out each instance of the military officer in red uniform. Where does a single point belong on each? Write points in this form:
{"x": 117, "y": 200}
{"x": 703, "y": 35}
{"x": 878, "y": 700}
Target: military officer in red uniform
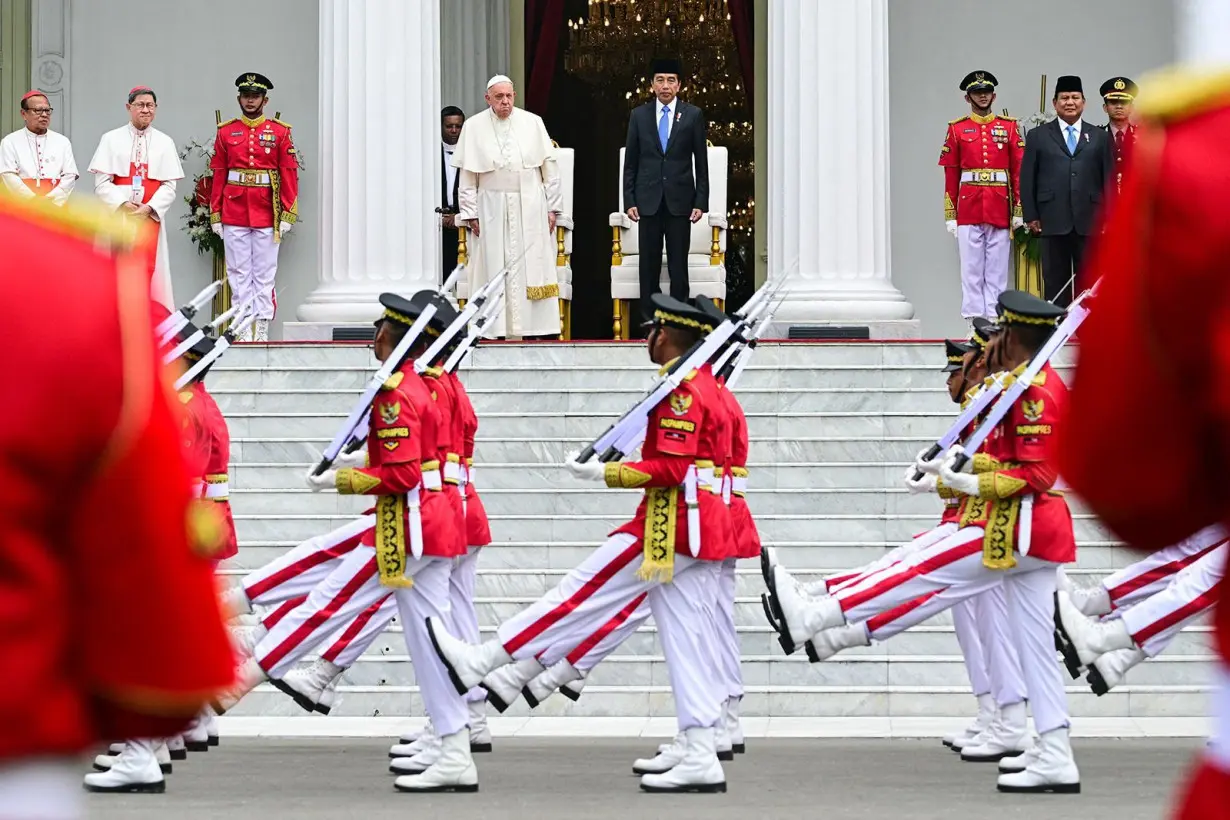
{"x": 1162, "y": 267}
{"x": 210, "y": 441}
{"x": 981, "y": 159}
{"x": 254, "y": 198}
{"x": 1118, "y": 97}
{"x": 671, "y": 550}
{"x": 123, "y": 534}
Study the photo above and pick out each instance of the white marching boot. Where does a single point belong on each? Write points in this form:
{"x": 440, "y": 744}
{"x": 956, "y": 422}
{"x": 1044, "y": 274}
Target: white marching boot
{"x": 1021, "y": 762}
{"x": 573, "y": 690}
{"x": 426, "y": 730}
{"x": 245, "y": 639}
{"x": 235, "y": 602}
{"x": 419, "y": 762}
{"x": 328, "y": 697}
{"x": 698, "y": 771}
{"x": 504, "y": 685}
{"x": 196, "y": 736}
{"x": 261, "y": 332}
{"x": 734, "y": 728}
{"x": 1054, "y": 770}
{"x": 467, "y": 665}
{"x": 800, "y": 617}
{"x": 1109, "y": 670}
{"x": 104, "y": 763}
{"x": 134, "y": 770}
{"x": 549, "y": 682}
{"x": 1093, "y": 601}
{"x": 248, "y": 677}
{"x": 986, "y": 714}
{"x": 669, "y": 755}
{"x": 1007, "y": 736}
{"x": 827, "y": 643}
{"x": 307, "y": 686}
{"x": 1090, "y": 638}
{"x": 210, "y": 719}
{"x": 176, "y": 748}
{"x": 454, "y": 771}
{"x": 480, "y": 732}
{"x": 721, "y": 741}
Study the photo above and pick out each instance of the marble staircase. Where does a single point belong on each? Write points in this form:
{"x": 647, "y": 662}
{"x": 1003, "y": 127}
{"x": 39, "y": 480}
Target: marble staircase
{"x": 833, "y": 427}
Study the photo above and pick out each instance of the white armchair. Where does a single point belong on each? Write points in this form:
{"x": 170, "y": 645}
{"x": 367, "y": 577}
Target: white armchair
{"x": 706, "y": 249}
{"x": 565, "y": 159}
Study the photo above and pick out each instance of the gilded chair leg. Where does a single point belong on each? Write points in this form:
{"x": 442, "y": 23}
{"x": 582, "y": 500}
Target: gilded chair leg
{"x": 565, "y": 319}
{"x": 617, "y": 326}
{"x": 721, "y": 304}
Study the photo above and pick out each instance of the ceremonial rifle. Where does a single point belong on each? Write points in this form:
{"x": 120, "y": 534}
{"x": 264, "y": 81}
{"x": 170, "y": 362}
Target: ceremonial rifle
{"x": 1076, "y": 315}
{"x": 224, "y": 342}
{"x": 980, "y": 401}
{"x": 199, "y": 333}
{"x": 178, "y": 320}
{"x": 633, "y": 421}
{"x": 475, "y": 332}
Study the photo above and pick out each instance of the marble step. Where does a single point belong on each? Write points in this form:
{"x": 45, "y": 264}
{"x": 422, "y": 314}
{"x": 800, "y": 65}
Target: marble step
{"x": 552, "y": 451}
{"x": 497, "y": 425}
{"x": 802, "y": 701}
{"x": 565, "y": 378}
{"x": 891, "y": 528}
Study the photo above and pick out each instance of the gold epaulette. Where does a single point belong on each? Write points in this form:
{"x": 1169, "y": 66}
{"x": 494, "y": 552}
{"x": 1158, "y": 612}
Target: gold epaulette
{"x": 1174, "y": 94}
{"x": 691, "y": 375}
{"x": 958, "y": 119}
{"x": 393, "y": 382}
{"x": 280, "y": 122}
{"x": 228, "y": 122}
{"x": 86, "y": 220}
{"x": 185, "y": 396}
{"x": 434, "y": 372}
{"x": 1006, "y": 118}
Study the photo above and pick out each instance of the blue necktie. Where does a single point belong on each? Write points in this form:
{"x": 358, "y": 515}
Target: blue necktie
{"x": 664, "y": 127}
{"x": 1071, "y": 139}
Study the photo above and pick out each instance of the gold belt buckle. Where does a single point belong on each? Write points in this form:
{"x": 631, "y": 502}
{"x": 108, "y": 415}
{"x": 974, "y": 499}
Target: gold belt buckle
{"x": 984, "y": 176}
{"x": 248, "y": 177}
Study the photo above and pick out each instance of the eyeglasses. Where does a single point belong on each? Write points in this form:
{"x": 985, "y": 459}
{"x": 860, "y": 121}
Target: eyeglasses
{"x": 144, "y": 106}
{"x": 40, "y": 110}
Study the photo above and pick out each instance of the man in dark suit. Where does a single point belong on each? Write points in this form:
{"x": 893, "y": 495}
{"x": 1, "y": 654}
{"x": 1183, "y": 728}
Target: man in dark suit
{"x": 1067, "y": 166}
{"x": 666, "y": 141}
{"x": 451, "y": 120}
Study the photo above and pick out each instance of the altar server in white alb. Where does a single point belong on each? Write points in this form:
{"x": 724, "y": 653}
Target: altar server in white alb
{"x": 509, "y": 197}
{"x": 36, "y": 161}
{"x": 135, "y": 170}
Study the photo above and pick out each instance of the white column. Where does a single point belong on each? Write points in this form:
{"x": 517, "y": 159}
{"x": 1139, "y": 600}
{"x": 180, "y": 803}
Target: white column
{"x": 474, "y": 41}
{"x": 1203, "y": 32}
{"x": 828, "y": 210}
{"x": 51, "y": 25}
{"x": 379, "y": 144}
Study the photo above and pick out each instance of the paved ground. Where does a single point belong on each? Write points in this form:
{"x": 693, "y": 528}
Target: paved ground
{"x": 589, "y": 779}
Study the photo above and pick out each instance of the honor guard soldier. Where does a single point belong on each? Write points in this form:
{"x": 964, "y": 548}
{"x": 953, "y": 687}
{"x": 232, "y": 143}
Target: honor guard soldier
{"x": 981, "y": 159}
{"x": 254, "y": 201}
{"x": 1118, "y": 97}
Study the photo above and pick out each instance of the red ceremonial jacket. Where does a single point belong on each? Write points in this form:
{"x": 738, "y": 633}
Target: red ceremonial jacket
{"x": 742, "y": 528}
{"x": 990, "y": 149}
{"x": 689, "y": 428}
{"x": 405, "y": 441}
{"x": 253, "y": 160}
{"x": 478, "y": 529}
{"x": 441, "y": 388}
{"x": 96, "y": 514}
{"x": 216, "y": 475}
{"x": 1018, "y": 460}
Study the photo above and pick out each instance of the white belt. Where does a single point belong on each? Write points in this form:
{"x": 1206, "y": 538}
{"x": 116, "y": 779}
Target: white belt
{"x": 984, "y": 176}
{"x": 1025, "y": 526}
{"x": 431, "y": 480}
{"x": 453, "y": 472}
{"x": 414, "y": 516}
{"x": 248, "y": 177}
{"x": 740, "y": 484}
{"x": 218, "y": 491}
{"x": 469, "y": 473}
{"x": 706, "y": 479}
{"x": 690, "y": 498}
{"x": 727, "y": 488}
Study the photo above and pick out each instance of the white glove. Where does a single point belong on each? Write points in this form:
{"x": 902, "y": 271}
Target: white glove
{"x": 926, "y": 467}
{"x": 216, "y": 228}
{"x": 951, "y": 225}
{"x": 922, "y": 486}
{"x": 325, "y": 481}
{"x": 356, "y": 459}
{"x": 1018, "y": 222}
{"x": 955, "y": 452}
{"x": 961, "y": 482}
{"x": 284, "y": 227}
{"x": 592, "y": 470}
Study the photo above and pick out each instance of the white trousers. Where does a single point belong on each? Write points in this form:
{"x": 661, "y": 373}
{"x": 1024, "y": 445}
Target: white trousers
{"x": 43, "y": 789}
{"x": 351, "y": 589}
{"x": 896, "y": 554}
{"x": 973, "y": 652}
{"x": 348, "y": 644}
{"x": 604, "y": 584}
{"x": 953, "y": 570}
{"x": 1155, "y": 571}
{"x": 986, "y": 258}
{"x": 296, "y": 572}
{"x": 728, "y": 655}
{"x": 463, "y": 621}
{"x": 1156, "y": 621}
{"x": 609, "y": 637}
{"x": 251, "y": 266}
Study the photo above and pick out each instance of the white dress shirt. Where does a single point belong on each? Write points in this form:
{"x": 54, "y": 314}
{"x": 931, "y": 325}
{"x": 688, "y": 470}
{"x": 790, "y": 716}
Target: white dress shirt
{"x": 450, "y": 175}
{"x": 1063, "y": 131}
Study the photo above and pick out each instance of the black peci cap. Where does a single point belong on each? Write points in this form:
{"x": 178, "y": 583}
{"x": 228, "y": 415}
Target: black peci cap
{"x": 955, "y": 353}
{"x": 979, "y": 81}
{"x": 253, "y": 83}
{"x": 1016, "y": 307}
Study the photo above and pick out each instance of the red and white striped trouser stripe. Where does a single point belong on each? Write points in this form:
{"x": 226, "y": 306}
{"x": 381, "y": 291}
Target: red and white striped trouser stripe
{"x": 1156, "y": 621}
{"x": 899, "y": 553}
{"x": 1152, "y": 573}
{"x": 295, "y": 573}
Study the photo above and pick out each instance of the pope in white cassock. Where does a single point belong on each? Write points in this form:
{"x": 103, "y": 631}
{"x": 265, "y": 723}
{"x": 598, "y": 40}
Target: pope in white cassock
{"x": 508, "y": 197}
{"x": 37, "y": 161}
{"x": 135, "y": 170}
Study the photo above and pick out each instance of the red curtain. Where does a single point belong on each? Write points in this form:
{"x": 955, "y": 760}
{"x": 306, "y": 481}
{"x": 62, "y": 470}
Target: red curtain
{"x": 741, "y": 28}
{"x": 544, "y": 22}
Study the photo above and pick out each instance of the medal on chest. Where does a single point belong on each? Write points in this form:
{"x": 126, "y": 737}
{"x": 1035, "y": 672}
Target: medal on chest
{"x": 999, "y": 135}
